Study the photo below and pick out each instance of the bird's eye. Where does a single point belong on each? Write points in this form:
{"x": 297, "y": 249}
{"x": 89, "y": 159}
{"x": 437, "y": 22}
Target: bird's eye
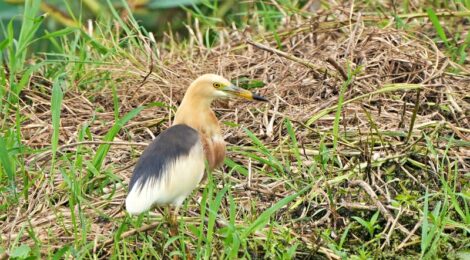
{"x": 216, "y": 85}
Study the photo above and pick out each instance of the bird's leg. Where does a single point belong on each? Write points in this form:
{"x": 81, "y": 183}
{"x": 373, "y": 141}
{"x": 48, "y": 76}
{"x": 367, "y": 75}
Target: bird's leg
{"x": 173, "y": 224}
{"x": 173, "y": 220}
{"x": 174, "y": 231}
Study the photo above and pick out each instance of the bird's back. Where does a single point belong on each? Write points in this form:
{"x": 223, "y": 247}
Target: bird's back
{"x": 168, "y": 170}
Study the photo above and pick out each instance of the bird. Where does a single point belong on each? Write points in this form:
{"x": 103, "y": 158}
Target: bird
{"x": 174, "y": 163}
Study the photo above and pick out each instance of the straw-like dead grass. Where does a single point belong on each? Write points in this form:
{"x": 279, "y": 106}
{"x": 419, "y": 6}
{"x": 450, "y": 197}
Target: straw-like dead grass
{"x": 378, "y": 158}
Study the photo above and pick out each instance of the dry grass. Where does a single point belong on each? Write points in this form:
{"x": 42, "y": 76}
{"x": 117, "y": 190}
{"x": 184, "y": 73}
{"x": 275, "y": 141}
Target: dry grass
{"x": 383, "y": 145}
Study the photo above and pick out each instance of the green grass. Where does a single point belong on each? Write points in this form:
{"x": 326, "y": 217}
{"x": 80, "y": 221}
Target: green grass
{"x": 63, "y": 175}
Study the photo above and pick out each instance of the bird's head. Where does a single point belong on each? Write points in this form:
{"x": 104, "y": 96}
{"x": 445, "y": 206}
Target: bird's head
{"x": 211, "y": 86}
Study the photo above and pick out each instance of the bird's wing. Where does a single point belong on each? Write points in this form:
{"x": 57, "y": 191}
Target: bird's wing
{"x": 168, "y": 170}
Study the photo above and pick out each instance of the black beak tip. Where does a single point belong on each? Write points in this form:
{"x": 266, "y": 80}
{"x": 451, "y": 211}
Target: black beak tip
{"x": 259, "y": 98}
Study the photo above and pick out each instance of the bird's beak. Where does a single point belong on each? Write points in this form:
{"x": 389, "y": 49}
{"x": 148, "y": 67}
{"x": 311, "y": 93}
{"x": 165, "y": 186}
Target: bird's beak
{"x": 240, "y": 92}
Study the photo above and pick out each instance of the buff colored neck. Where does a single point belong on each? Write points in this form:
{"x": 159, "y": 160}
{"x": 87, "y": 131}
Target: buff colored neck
{"x": 195, "y": 111}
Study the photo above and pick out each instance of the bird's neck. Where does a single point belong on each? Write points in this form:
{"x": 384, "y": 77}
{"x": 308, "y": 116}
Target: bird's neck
{"x": 197, "y": 114}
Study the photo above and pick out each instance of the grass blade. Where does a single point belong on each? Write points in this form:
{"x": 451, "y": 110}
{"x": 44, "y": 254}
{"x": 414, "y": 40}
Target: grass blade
{"x": 294, "y": 143}
{"x": 5, "y": 161}
{"x": 425, "y": 241}
{"x": 213, "y": 209}
{"x": 437, "y": 25}
{"x": 27, "y": 32}
{"x": 263, "y": 219}
{"x": 385, "y": 89}
{"x": 339, "y": 107}
{"x": 56, "y": 106}
{"x": 104, "y": 148}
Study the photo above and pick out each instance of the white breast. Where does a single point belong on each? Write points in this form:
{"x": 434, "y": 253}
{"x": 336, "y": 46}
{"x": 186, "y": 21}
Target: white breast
{"x": 181, "y": 177}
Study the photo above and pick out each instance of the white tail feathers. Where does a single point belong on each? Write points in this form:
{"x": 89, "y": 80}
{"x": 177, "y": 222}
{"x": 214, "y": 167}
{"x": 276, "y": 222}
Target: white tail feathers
{"x": 139, "y": 200}
{"x": 177, "y": 181}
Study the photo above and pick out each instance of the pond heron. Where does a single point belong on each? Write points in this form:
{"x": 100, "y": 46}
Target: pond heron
{"x": 172, "y": 166}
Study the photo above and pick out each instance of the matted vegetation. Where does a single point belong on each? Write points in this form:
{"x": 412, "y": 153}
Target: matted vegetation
{"x": 363, "y": 151}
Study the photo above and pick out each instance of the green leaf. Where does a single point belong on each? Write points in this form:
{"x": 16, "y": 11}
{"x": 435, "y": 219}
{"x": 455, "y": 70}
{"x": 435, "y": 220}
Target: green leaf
{"x": 425, "y": 241}
{"x": 344, "y": 236}
{"x": 96, "y": 44}
{"x": 230, "y": 123}
{"x": 246, "y": 83}
{"x": 56, "y": 106}
{"x": 374, "y": 218}
{"x": 294, "y": 144}
{"x": 256, "y": 140}
{"x": 214, "y": 208}
{"x": 263, "y": 219}
{"x": 339, "y": 108}
{"x": 235, "y": 166}
{"x": 104, "y": 148}
{"x": 21, "y": 252}
{"x": 61, "y": 252}
{"x": 4, "y": 44}
{"x": 437, "y": 25}
{"x": 271, "y": 161}
{"x": 28, "y": 31}
{"x": 9, "y": 11}
{"x": 362, "y": 221}
{"x": 5, "y": 161}
{"x": 59, "y": 33}
{"x": 163, "y": 4}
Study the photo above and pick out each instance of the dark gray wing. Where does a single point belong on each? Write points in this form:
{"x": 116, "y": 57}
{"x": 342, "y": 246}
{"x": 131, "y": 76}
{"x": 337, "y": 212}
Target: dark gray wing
{"x": 172, "y": 143}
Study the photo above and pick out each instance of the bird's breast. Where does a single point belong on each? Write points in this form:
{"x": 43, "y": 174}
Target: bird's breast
{"x": 214, "y": 149}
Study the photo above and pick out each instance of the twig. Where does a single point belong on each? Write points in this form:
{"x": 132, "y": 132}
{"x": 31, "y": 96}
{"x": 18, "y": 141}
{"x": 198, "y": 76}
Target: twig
{"x": 323, "y": 219}
{"x": 150, "y": 66}
{"x": 62, "y": 147}
{"x": 338, "y": 67}
{"x": 404, "y": 244}
{"x": 387, "y": 238}
{"x": 14, "y": 223}
{"x": 439, "y": 14}
{"x": 249, "y": 173}
{"x": 329, "y": 210}
{"x": 102, "y": 142}
{"x": 360, "y": 206}
{"x": 366, "y": 187}
{"x": 264, "y": 191}
{"x": 413, "y": 117}
{"x": 307, "y": 240}
{"x": 270, "y": 125}
{"x": 130, "y": 233}
{"x": 306, "y": 63}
